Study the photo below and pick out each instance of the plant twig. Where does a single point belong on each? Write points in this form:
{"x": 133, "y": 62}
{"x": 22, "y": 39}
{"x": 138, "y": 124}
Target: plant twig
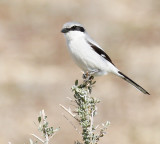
{"x": 38, "y": 138}
{"x": 69, "y": 111}
{"x": 72, "y": 124}
{"x": 48, "y": 132}
{"x": 86, "y": 110}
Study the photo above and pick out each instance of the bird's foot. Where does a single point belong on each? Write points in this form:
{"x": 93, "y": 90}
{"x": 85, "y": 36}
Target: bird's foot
{"x": 89, "y": 75}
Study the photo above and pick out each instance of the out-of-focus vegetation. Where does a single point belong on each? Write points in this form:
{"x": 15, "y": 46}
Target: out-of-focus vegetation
{"x": 36, "y": 71}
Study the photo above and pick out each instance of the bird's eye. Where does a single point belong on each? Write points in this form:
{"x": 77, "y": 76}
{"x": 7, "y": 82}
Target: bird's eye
{"x": 73, "y": 28}
{"x": 77, "y": 28}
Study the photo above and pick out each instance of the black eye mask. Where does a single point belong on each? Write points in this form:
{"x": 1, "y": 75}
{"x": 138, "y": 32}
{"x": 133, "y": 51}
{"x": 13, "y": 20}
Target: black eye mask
{"x": 73, "y": 28}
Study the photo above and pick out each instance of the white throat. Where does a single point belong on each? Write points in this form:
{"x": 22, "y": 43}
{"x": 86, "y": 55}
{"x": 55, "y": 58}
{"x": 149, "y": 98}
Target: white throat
{"x": 73, "y": 35}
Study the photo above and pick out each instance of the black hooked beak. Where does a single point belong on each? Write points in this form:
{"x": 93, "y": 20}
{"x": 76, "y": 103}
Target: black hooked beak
{"x": 65, "y": 30}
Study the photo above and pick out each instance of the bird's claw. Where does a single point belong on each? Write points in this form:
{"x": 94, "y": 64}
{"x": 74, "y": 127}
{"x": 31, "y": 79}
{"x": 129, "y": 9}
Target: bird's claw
{"x": 88, "y": 76}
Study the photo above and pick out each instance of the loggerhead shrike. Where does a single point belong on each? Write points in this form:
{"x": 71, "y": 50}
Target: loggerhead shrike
{"x": 89, "y": 56}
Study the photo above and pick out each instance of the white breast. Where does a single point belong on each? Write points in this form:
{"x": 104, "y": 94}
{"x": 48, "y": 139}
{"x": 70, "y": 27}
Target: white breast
{"x": 86, "y": 58}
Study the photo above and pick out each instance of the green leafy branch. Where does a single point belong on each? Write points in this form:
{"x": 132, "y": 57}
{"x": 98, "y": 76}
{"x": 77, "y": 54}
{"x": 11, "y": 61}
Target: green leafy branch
{"x": 86, "y": 110}
{"x": 46, "y": 131}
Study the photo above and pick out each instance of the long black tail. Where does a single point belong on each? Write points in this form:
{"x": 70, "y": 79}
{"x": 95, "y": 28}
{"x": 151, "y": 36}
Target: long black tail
{"x": 123, "y": 76}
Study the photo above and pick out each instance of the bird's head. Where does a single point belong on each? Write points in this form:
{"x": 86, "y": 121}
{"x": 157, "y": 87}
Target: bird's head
{"x": 73, "y": 30}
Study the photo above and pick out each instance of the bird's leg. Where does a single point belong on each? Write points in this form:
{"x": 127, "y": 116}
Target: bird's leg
{"x": 89, "y": 75}
{"x": 92, "y": 72}
{"x": 87, "y": 79}
{"x": 86, "y": 76}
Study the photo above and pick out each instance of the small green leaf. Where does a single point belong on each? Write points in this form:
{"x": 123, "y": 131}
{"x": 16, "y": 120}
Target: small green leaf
{"x": 91, "y": 77}
{"x": 39, "y": 119}
{"x": 93, "y": 82}
{"x": 76, "y": 82}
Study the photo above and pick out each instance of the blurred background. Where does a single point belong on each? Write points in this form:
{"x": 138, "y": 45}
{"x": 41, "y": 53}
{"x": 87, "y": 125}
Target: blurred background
{"x": 37, "y": 72}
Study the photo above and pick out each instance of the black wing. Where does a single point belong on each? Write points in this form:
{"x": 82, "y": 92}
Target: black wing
{"x": 100, "y": 52}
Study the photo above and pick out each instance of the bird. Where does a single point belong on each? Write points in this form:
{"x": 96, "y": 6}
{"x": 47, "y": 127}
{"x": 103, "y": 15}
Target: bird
{"x": 89, "y": 56}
